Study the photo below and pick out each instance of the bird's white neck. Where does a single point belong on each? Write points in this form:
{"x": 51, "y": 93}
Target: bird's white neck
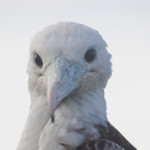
{"x": 76, "y": 113}
{"x": 75, "y": 118}
{"x": 89, "y": 107}
{"x": 36, "y": 121}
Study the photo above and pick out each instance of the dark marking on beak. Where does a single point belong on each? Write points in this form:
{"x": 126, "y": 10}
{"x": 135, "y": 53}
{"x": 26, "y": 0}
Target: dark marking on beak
{"x": 53, "y": 118}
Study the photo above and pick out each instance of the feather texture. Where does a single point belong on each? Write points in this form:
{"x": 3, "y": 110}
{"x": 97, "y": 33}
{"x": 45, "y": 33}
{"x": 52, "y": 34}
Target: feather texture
{"x": 110, "y": 139}
{"x": 71, "y": 89}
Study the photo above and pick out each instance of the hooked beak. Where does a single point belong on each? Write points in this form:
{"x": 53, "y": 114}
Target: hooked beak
{"x": 63, "y": 77}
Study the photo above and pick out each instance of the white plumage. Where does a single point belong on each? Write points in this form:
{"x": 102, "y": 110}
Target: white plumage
{"x": 68, "y": 70}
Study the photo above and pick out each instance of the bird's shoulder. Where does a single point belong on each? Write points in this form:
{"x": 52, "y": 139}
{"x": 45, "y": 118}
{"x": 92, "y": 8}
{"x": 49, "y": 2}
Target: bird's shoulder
{"x": 110, "y": 139}
{"x": 110, "y": 133}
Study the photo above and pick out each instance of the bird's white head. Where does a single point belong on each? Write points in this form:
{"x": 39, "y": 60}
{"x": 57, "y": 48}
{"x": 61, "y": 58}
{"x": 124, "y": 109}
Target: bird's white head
{"x": 67, "y": 59}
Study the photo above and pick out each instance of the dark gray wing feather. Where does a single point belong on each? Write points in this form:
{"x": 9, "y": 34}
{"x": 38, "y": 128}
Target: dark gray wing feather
{"x": 111, "y": 139}
{"x": 112, "y": 134}
{"x": 100, "y": 144}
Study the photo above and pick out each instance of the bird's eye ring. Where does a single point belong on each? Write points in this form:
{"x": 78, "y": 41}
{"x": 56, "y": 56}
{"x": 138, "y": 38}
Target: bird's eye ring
{"x": 37, "y": 60}
{"x": 90, "y": 55}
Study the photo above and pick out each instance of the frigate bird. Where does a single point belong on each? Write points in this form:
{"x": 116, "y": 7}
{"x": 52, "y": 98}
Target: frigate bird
{"x": 68, "y": 69}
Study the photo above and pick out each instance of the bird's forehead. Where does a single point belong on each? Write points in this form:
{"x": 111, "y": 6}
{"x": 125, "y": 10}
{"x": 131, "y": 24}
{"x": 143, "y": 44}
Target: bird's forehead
{"x": 68, "y": 39}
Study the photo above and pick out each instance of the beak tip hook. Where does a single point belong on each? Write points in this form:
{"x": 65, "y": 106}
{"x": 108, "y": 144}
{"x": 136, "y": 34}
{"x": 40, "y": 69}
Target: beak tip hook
{"x": 53, "y": 118}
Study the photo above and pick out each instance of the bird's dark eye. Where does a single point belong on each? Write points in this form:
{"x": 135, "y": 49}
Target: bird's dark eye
{"x": 37, "y": 60}
{"x": 90, "y": 55}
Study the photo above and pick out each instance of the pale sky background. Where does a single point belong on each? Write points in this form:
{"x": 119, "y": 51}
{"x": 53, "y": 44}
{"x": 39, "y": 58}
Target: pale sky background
{"x": 124, "y": 24}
